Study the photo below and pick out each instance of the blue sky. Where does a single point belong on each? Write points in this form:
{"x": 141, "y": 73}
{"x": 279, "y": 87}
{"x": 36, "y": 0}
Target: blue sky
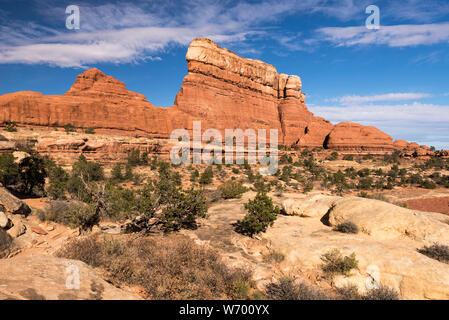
{"x": 395, "y": 78}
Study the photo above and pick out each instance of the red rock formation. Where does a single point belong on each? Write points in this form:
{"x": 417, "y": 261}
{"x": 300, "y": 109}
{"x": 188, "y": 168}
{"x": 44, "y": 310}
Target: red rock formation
{"x": 412, "y": 149}
{"x": 221, "y": 89}
{"x": 67, "y": 150}
{"x": 355, "y": 137}
{"x": 249, "y": 93}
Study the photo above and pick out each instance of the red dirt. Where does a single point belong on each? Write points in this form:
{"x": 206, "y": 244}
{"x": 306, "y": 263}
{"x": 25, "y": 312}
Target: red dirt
{"x": 440, "y": 204}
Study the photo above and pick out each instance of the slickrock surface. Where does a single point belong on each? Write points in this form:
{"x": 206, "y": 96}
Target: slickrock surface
{"x": 46, "y": 277}
{"x": 221, "y": 89}
{"x": 389, "y": 242}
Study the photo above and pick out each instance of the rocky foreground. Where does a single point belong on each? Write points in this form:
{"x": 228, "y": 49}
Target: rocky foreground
{"x": 386, "y": 247}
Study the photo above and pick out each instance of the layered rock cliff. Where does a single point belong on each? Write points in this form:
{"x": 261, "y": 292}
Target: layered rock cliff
{"x": 221, "y": 89}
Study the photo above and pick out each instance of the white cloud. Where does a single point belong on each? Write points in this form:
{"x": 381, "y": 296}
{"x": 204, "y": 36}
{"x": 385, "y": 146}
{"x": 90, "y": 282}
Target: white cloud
{"x": 354, "y": 99}
{"x": 423, "y": 123}
{"x": 126, "y": 32}
{"x": 393, "y": 36}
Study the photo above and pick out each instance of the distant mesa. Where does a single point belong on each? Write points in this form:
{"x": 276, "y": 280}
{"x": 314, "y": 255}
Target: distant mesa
{"x": 221, "y": 89}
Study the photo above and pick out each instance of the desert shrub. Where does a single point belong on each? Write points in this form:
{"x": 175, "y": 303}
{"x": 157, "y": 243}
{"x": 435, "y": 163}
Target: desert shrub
{"x": 86, "y": 249}
{"x": 58, "y": 178}
{"x": 70, "y": 214}
{"x": 32, "y": 174}
{"x": 183, "y": 210}
{"x": 381, "y": 293}
{"x": 88, "y": 170}
{"x": 232, "y": 190}
{"x": 349, "y": 292}
{"x": 9, "y": 170}
{"x": 69, "y": 128}
{"x": 436, "y": 251}
{"x": 365, "y": 183}
{"x": 261, "y": 186}
{"x": 273, "y": 256}
{"x": 207, "y": 176}
{"x": 428, "y": 184}
{"x": 393, "y": 157}
{"x": 286, "y": 173}
{"x": 333, "y": 156}
{"x": 261, "y": 214}
{"x": 335, "y": 263}
{"x": 284, "y": 159}
{"x": 348, "y": 157}
{"x": 84, "y": 172}
{"x": 10, "y": 126}
{"x": 89, "y": 130}
{"x": 347, "y": 227}
{"x": 364, "y": 172}
{"x": 82, "y": 216}
{"x": 116, "y": 172}
{"x": 194, "y": 175}
{"x": 57, "y": 190}
{"x": 235, "y": 170}
{"x": 169, "y": 267}
{"x": 135, "y": 158}
{"x": 121, "y": 203}
{"x": 54, "y": 211}
{"x": 307, "y": 186}
{"x": 351, "y": 173}
{"x": 285, "y": 288}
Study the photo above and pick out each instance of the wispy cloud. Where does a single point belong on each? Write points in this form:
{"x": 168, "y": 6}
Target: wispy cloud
{"x": 129, "y": 32}
{"x": 424, "y": 123}
{"x": 393, "y": 36}
{"x": 354, "y": 99}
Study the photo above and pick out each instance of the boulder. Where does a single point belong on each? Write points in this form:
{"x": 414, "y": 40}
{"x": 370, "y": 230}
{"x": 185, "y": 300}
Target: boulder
{"x": 385, "y": 221}
{"x": 5, "y": 243}
{"x": 18, "y": 228}
{"x": 50, "y": 278}
{"x": 12, "y": 204}
{"x": 5, "y": 222}
{"x": 315, "y": 206}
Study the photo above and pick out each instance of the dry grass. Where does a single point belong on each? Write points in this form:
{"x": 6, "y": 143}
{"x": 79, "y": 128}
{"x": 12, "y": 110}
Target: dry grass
{"x": 166, "y": 267}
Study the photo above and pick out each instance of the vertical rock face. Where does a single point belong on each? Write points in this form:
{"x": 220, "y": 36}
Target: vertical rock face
{"x": 221, "y": 89}
{"x": 227, "y": 91}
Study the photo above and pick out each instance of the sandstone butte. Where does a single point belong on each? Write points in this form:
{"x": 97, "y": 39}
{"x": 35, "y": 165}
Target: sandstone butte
{"x": 221, "y": 89}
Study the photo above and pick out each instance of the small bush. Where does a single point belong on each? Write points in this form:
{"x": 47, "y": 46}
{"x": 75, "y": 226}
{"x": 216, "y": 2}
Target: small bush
{"x": 261, "y": 214}
{"x": 347, "y": 227}
{"x": 11, "y": 127}
{"x": 274, "y": 256}
{"x": 70, "y": 214}
{"x": 436, "y": 251}
{"x": 348, "y": 157}
{"x": 335, "y": 263}
{"x": 169, "y": 267}
{"x": 382, "y": 293}
{"x": 286, "y": 289}
{"x": 69, "y": 128}
{"x": 116, "y": 172}
{"x": 183, "y": 210}
{"x": 307, "y": 186}
{"x": 232, "y": 190}
{"x": 207, "y": 176}
{"x": 349, "y": 292}
{"x": 89, "y": 130}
